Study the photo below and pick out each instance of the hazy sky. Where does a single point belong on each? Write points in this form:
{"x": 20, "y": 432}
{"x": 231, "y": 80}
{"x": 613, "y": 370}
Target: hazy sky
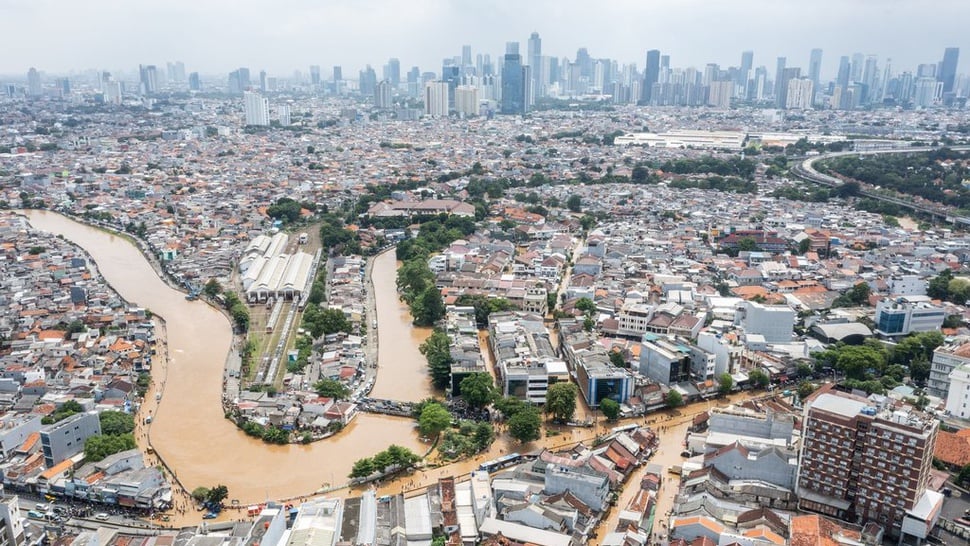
{"x": 215, "y": 36}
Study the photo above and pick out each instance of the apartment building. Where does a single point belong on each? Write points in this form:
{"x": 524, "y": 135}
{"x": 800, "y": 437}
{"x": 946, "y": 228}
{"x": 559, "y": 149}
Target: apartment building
{"x": 866, "y": 463}
{"x": 945, "y": 359}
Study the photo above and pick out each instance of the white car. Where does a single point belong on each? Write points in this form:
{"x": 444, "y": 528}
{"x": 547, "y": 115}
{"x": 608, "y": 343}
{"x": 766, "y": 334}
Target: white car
{"x": 102, "y": 516}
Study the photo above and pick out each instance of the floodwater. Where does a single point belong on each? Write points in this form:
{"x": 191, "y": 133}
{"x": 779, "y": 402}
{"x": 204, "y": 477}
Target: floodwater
{"x": 403, "y": 373}
{"x": 189, "y": 431}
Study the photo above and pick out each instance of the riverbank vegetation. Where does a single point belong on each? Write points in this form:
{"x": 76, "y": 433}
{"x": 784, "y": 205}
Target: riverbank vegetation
{"x": 437, "y": 350}
{"x": 393, "y": 459}
{"x": 115, "y": 437}
{"x": 875, "y": 368}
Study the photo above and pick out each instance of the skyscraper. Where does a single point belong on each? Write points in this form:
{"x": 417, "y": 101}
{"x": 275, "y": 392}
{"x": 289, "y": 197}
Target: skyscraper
{"x": 466, "y": 58}
{"x": 195, "y": 83}
{"x": 856, "y": 73}
{"x": 845, "y": 72}
{"x": 869, "y": 74}
{"x": 798, "y": 93}
{"x": 367, "y": 81}
{"x": 257, "y": 108}
{"x": 262, "y": 81}
{"x": 779, "y": 82}
{"x": 651, "y": 74}
{"x": 513, "y": 86}
{"x": 148, "y": 77}
{"x": 535, "y": 63}
{"x": 338, "y": 74}
{"x": 744, "y": 74}
{"x": 393, "y": 72}
{"x": 33, "y": 82}
{"x": 315, "y": 74}
{"x": 466, "y": 100}
{"x": 815, "y": 66}
{"x": 948, "y": 67}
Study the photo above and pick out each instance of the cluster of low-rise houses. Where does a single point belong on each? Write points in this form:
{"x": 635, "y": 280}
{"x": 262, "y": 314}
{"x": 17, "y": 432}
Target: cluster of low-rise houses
{"x": 69, "y": 337}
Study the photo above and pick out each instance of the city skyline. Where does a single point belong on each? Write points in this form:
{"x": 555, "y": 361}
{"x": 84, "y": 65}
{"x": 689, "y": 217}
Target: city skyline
{"x": 108, "y": 35}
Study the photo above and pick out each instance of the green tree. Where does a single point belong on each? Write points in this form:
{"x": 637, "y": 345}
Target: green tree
{"x": 212, "y": 288}
{"x": 477, "y": 389}
{"x": 561, "y": 401}
{"x": 674, "y": 399}
{"x": 804, "y": 246}
{"x": 610, "y": 408}
{"x": 747, "y": 244}
{"x": 284, "y": 209}
{"x": 805, "y": 389}
{"x": 525, "y": 425}
{"x": 116, "y": 422}
{"x": 574, "y": 203}
{"x": 509, "y": 406}
{"x": 330, "y": 388}
{"x": 958, "y": 291}
{"x": 586, "y": 305}
{"x": 484, "y": 435}
{"x": 725, "y": 383}
{"x": 362, "y": 468}
{"x": 434, "y": 419}
{"x": 217, "y": 494}
{"x": 616, "y": 358}
{"x": 429, "y": 309}
{"x": 938, "y": 287}
{"x": 437, "y": 350}
{"x": 99, "y": 446}
{"x": 200, "y": 493}
{"x": 759, "y": 378}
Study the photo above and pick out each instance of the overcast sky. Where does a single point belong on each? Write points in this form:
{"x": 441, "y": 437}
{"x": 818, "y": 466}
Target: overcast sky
{"x": 215, "y": 36}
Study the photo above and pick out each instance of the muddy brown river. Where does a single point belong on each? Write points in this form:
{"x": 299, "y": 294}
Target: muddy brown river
{"x": 189, "y": 431}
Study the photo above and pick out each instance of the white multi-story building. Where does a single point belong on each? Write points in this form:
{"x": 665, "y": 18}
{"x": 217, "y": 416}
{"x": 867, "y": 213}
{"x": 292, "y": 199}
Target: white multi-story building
{"x": 284, "y": 112}
{"x": 905, "y": 315}
{"x": 436, "y": 99}
{"x": 907, "y": 285}
{"x": 466, "y": 100}
{"x": 958, "y": 396}
{"x": 945, "y": 359}
{"x": 257, "y": 108}
{"x": 800, "y": 94}
{"x": 774, "y": 322}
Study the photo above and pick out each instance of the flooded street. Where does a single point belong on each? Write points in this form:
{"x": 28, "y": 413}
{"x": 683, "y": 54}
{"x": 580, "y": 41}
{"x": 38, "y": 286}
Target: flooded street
{"x": 403, "y": 373}
{"x": 189, "y": 431}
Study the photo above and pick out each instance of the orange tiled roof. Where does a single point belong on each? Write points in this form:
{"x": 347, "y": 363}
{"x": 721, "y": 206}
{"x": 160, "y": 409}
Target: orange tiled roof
{"x": 953, "y": 448}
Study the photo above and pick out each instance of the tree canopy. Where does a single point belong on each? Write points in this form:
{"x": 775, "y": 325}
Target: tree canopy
{"x": 477, "y": 389}
{"x": 525, "y": 425}
{"x": 434, "y": 419}
{"x": 561, "y": 401}
{"x": 610, "y": 408}
{"x": 674, "y": 399}
{"x": 331, "y": 388}
{"x": 99, "y": 446}
{"x": 437, "y": 350}
{"x": 116, "y": 422}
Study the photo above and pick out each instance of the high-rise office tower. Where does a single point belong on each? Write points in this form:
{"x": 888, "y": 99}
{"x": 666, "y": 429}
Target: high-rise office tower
{"x": 779, "y": 82}
{"x": 744, "y": 74}
{"x": 315, "y": 74}
{"x": 338, "y": 74}
{"x": 513, "y": 86}
{"x": 651, "y": 74}
{"x": 781, "y": 86}
{"x": 865, "y": 462}
{"x": 33, "y": 82}
{"x": 857, "y": 61}
{"x": 845, "y": 72}
{"x": 414, "y": 82}
{"x": 64, "y": 86}
{"x": 711, "y": 72}
{"x": 869, "y": 74}
{"x": 244, "y": 80}
{"x": 176, "y": 71}
{"x": 535, "y": 63}
{"x": 393, "y": 72}
{"x": 948, "y": 68}
{"x": 904, "y": 87}
{"x": 195, "y": 83}
{"x": 262, "y": 81}
{"x": 815, "y": 66}
{"x": 148, "y": 77}
{"x": 451, "y": 74}
{"x": 927, "y": 92}
{"x": 367, "y": 81}
{"x": 257, "y": 108}
{"x": 585, "y": 63}
{"x": 383, "y": 94}
{"x": 466, "y": 58}
{"x": 436, "y": 99}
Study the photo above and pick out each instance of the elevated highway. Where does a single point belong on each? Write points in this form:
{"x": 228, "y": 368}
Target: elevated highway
{"x": 805, "y": 170}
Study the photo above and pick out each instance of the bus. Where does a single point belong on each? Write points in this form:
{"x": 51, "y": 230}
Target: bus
{"x": 501, "y": 462}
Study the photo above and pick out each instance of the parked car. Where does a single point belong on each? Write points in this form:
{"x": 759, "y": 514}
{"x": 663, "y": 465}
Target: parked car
{"x": 101, "y": 516}
{"x": 210, "y": 515}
